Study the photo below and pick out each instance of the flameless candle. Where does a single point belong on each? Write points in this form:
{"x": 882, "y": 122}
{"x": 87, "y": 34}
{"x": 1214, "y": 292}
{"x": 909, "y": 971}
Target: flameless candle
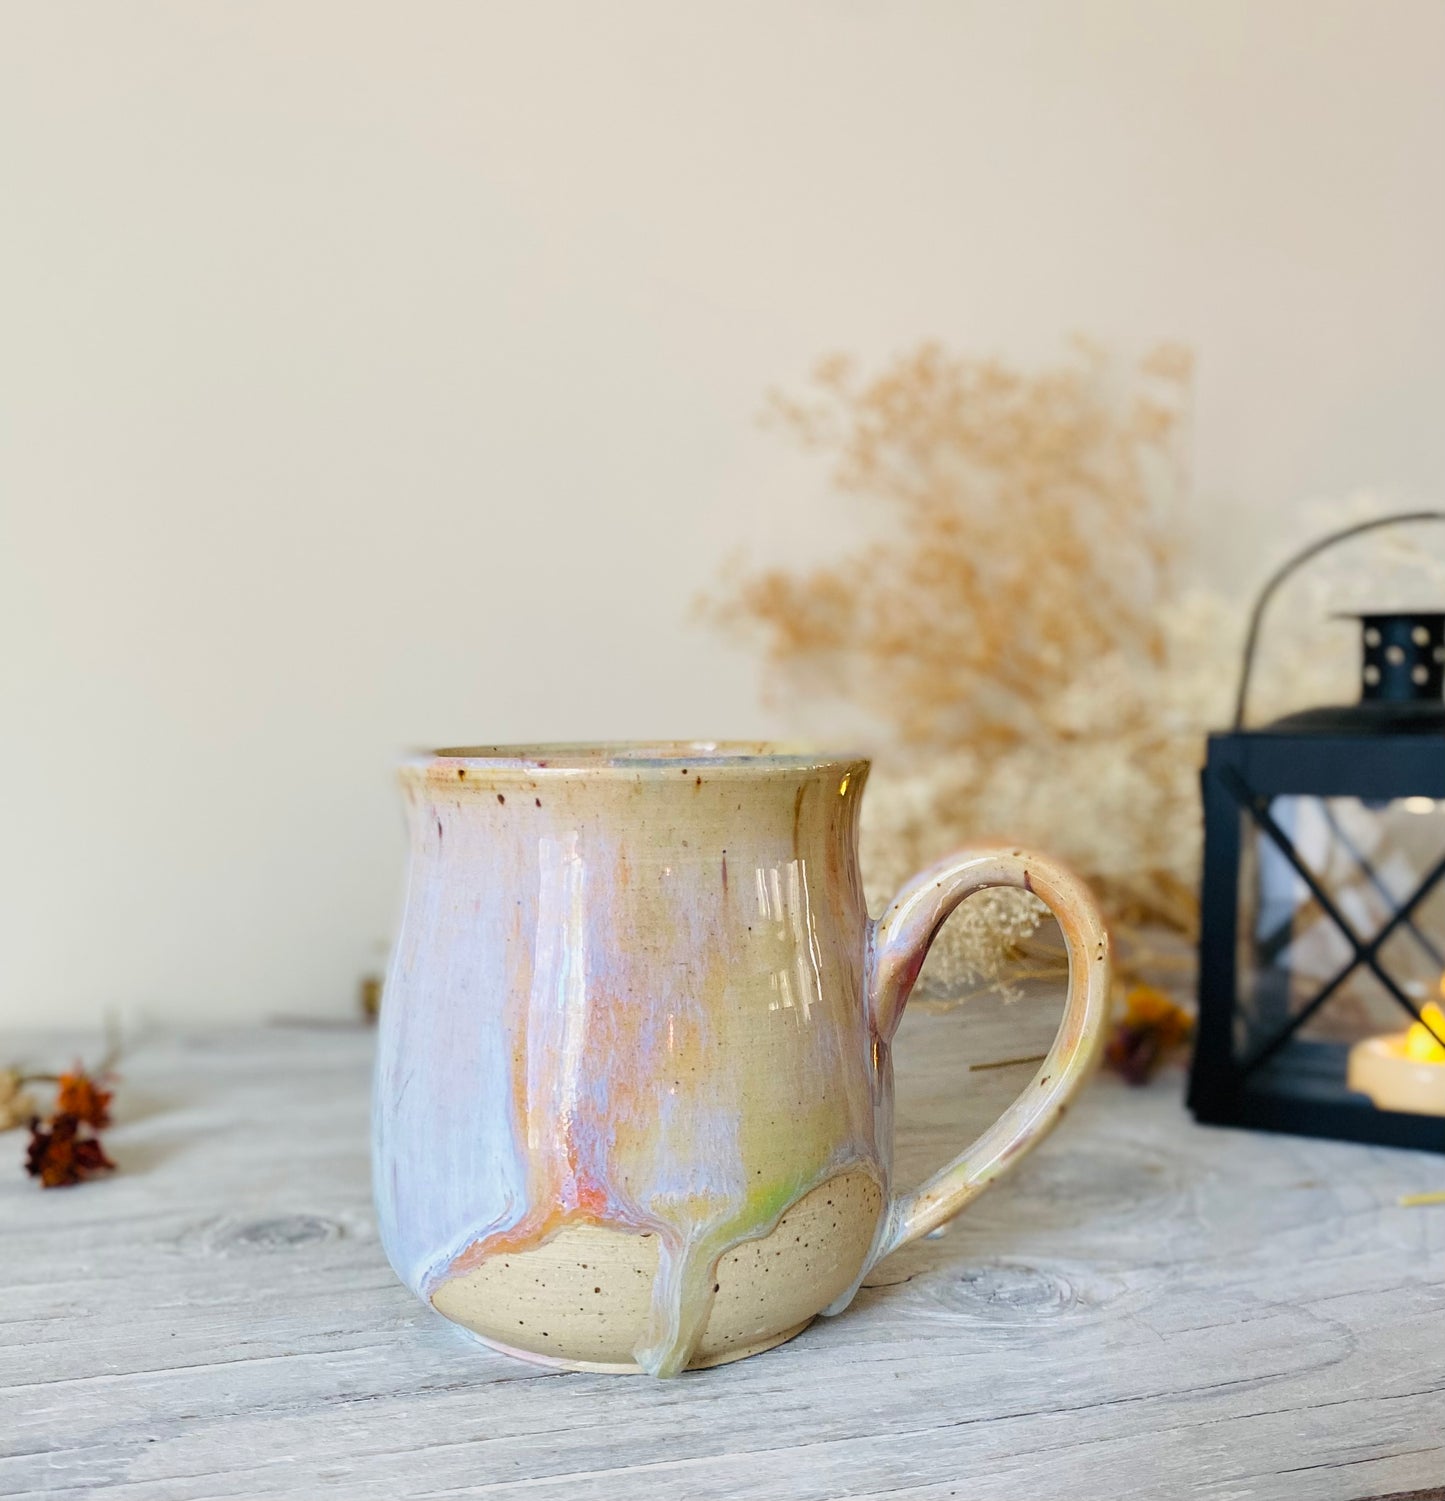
{"x": 1403, "y": 1070}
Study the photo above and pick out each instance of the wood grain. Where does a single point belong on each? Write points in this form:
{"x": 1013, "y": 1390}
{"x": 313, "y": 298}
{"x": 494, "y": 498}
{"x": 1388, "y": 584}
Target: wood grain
{"x": 1145, "y": 1309}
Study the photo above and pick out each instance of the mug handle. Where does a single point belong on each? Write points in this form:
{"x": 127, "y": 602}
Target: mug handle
{"x": 899, "y": 943}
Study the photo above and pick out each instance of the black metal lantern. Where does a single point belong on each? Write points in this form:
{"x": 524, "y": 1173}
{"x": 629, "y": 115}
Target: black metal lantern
{"x": 1322, "y": 935}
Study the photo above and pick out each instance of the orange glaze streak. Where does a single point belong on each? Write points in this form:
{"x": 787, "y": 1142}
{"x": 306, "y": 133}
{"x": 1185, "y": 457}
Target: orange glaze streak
{"x": 576, "y": 1201}
{"x": 583, "y": 1204}
{"x": 526, "y": 1234}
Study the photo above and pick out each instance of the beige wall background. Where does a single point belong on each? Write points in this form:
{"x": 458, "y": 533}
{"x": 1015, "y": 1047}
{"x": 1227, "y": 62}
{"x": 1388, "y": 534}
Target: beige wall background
{"x": 381, "y": 374}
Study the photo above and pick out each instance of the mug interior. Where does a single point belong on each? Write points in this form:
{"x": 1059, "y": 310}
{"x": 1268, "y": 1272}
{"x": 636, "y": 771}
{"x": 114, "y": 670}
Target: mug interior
{"x": 653, "y": 755}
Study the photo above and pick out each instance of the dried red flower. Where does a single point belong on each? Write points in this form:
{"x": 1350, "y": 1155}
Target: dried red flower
{"x": 61, "y": 1156}
{"x": 80, "y": 1095}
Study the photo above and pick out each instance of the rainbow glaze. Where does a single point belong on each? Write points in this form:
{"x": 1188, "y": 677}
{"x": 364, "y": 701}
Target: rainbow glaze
{"x": 630, "y": 991}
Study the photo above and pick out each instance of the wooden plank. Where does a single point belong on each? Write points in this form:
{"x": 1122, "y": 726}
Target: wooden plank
{"x": 1145, "y": 1308}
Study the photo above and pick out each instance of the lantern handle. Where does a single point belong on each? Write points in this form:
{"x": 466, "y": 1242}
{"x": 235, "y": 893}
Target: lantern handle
{"x": 1256, "y": 618}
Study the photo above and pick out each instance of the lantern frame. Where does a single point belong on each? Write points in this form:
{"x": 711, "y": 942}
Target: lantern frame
{"x": 1244, "y": 772}
{"x": 1382, "y": 751}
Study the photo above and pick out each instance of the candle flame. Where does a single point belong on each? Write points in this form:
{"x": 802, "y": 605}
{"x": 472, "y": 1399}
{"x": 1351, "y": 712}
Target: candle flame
{"x": 1422, "y": 1041}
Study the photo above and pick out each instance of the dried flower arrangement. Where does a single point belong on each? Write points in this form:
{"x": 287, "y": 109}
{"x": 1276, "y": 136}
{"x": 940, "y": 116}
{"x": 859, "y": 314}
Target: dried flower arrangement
{"x": 1026, "y": 630}
{"x": 65, "y": 1148}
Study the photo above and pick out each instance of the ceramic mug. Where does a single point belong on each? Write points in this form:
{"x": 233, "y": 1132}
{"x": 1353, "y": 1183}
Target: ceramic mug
{"x": 633, "y": 1104}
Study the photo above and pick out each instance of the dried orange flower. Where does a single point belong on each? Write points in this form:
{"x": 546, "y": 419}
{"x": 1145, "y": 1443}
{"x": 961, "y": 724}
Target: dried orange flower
{"x": 1152, "y": 1026}
{"x": 78, "y": 1094}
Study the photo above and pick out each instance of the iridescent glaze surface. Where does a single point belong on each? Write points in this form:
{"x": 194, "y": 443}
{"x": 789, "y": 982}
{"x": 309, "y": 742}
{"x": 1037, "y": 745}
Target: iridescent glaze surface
{"x": 629, "y": 1027}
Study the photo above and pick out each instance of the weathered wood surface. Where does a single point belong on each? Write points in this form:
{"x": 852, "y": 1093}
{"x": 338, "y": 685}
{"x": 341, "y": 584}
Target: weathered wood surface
{"x": 1145, "y": 1309}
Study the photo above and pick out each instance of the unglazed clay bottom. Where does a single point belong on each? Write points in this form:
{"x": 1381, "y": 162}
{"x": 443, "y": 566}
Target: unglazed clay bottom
{"x": 583, "y": 1299}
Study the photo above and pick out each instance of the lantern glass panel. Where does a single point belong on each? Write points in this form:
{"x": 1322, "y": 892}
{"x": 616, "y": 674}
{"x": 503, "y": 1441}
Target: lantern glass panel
{"x": 1335, "y": 935}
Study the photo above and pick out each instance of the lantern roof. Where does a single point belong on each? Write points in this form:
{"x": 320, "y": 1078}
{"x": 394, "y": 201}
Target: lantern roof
{"x": 1402, "y": 680}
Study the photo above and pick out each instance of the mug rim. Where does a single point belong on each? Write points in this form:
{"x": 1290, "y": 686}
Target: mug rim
{"x": 634, "y": 758}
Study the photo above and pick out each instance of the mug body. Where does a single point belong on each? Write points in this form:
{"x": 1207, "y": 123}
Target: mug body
{"x": 629, "y": 1109}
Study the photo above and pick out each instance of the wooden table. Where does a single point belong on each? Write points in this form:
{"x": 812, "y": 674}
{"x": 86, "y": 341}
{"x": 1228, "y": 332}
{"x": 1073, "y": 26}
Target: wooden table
{"x": 1146, "y": 1308}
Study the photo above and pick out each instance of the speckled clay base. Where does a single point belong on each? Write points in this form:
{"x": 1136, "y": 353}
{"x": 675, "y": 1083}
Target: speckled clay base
{"x": 581, "y": 1300}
